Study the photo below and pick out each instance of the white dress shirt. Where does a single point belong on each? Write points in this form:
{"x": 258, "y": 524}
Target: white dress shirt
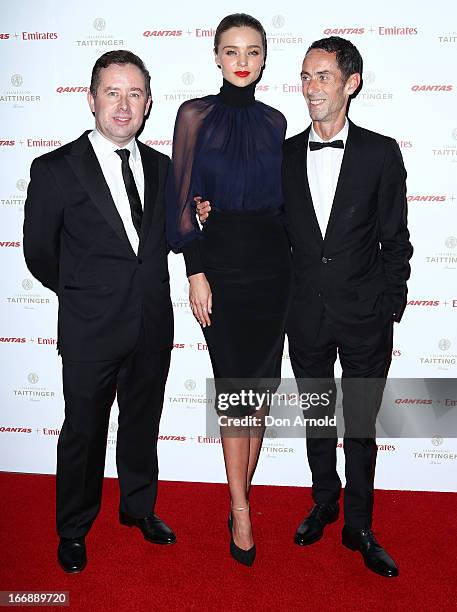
{"x": 323, "y": 167}
{"x": 111, "y": 163}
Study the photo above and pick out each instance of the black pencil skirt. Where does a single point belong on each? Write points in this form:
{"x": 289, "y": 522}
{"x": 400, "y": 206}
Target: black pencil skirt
{"x": 247, "y": 262}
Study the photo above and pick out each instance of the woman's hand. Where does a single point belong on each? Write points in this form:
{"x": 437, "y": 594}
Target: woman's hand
{"x": 200, "y": 298}
{"x": 203, "y": 208}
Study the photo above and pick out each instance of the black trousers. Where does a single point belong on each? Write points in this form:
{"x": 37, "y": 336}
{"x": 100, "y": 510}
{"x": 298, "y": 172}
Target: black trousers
{"x": 89, "y": 391}
{"x": 362, "y": 358}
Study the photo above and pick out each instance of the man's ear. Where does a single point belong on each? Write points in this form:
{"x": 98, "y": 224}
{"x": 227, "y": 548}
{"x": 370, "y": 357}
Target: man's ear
{"x": 148, "y": 106}
{"x": 352, "y": 84}
{"x": 91, "y": 101}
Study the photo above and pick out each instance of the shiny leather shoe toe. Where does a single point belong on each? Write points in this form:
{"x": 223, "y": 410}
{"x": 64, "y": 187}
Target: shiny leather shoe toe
{"x": 312, "y": 528}
{"x": 71, "y": 555}
{"x": 374, "y": 555}
{"x": 153, "y": 529}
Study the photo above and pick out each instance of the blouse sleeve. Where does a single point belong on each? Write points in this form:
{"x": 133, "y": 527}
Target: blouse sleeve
{"x": 183, "y": 231}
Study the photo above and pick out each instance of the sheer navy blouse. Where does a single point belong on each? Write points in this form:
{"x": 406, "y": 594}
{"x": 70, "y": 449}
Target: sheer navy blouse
{"x": 227, "y": 148}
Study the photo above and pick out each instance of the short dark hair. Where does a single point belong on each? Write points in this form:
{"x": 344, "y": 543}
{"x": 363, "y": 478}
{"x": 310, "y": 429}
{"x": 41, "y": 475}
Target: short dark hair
{"x": 240, "y": 20}
{"x": 348, "y": 58}
{"x": 120, "y": 56}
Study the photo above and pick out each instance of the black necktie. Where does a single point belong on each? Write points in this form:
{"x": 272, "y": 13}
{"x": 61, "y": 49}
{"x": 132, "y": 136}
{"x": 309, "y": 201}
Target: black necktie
{"x": 316, "y": 146}
{"x": 136, "y": 209}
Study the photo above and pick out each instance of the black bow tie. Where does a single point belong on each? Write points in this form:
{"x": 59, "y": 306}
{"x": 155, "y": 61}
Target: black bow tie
{"x": 315, "y": 146}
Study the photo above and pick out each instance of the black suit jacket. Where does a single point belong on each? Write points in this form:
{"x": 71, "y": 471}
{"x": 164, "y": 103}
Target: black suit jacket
{"x": 358, "y": 271}
{"x": 75, "y": 244}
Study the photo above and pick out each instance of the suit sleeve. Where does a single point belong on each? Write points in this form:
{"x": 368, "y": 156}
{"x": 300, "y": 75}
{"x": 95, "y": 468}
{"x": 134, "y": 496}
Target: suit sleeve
{"x": 42, "y": 225}
{"x": 396, "y": 249}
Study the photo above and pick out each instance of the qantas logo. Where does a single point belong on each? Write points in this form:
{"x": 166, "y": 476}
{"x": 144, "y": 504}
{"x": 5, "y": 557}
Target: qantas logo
{"x": 160, "y": 143}
{"x": 8, "y": 244}
{"x": 432, "y": 87}
{"x": 426, "y": 198}
{"x": 423, "y": 303}
{"x": 159, "y": 33}
{"x": 412, "y": 400}
{"x": 173, "y": 438}
{"x": 340, "y": 31}
{"x": 7, "y": 143}
{"x": 16, "y": 429}
{"x": 11, "y": 340}
{"x": 71, "y": 89}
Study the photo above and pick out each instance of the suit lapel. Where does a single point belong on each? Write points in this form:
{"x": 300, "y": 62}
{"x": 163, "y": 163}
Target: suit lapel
{"x": 312, "y": 210}
{"x": 151, "y": 182}
{"x": 303, "y": 183}
{"x": 85, "y": 165}
{"x": 351, "y": 165}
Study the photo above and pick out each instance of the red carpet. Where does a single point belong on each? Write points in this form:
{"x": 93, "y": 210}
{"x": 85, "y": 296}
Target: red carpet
{"x": 126, "y": 573}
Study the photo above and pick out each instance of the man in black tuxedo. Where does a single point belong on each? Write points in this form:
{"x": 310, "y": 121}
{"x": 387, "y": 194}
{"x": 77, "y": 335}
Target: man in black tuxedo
{"x": 345, "y": 201}
{"x": 94, "y": 234}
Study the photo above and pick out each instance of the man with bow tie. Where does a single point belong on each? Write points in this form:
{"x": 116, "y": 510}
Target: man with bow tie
{"x": 94, "y": 233}
{"x": 345, "y": 200}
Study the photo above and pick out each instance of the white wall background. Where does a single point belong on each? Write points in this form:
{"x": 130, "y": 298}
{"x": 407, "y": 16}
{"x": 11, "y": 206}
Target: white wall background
{"x": 409, "y": 52}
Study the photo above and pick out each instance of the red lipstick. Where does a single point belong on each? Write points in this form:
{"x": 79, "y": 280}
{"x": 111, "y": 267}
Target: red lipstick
{"x": 242, "y": 73}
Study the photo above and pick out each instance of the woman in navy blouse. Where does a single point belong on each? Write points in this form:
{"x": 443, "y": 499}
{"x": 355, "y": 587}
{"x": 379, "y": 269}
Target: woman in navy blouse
{"x": 227, "y": 149}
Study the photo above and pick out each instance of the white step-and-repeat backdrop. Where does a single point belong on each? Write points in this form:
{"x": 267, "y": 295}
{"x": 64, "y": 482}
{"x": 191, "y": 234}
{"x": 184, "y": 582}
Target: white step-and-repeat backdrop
{"x": 48, "y": 49}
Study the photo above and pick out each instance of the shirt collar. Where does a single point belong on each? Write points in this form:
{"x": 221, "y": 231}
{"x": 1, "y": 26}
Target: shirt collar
{"x": 105, "y": 147}
{"x": 342, "y": 134}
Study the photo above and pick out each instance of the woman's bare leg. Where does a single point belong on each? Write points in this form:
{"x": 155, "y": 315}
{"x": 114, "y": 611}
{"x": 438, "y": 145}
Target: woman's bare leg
{"x": 241, "y": 454}
{"x": 236, "y": 456}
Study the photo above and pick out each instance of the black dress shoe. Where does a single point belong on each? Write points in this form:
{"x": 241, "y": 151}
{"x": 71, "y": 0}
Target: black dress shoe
{"x": 312, "y": 528}
{"x": 153, "y": 529}
{"x": 245, "y": 557}
{"x": 71, "y": 555}
{"x": 374, "y": 555}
